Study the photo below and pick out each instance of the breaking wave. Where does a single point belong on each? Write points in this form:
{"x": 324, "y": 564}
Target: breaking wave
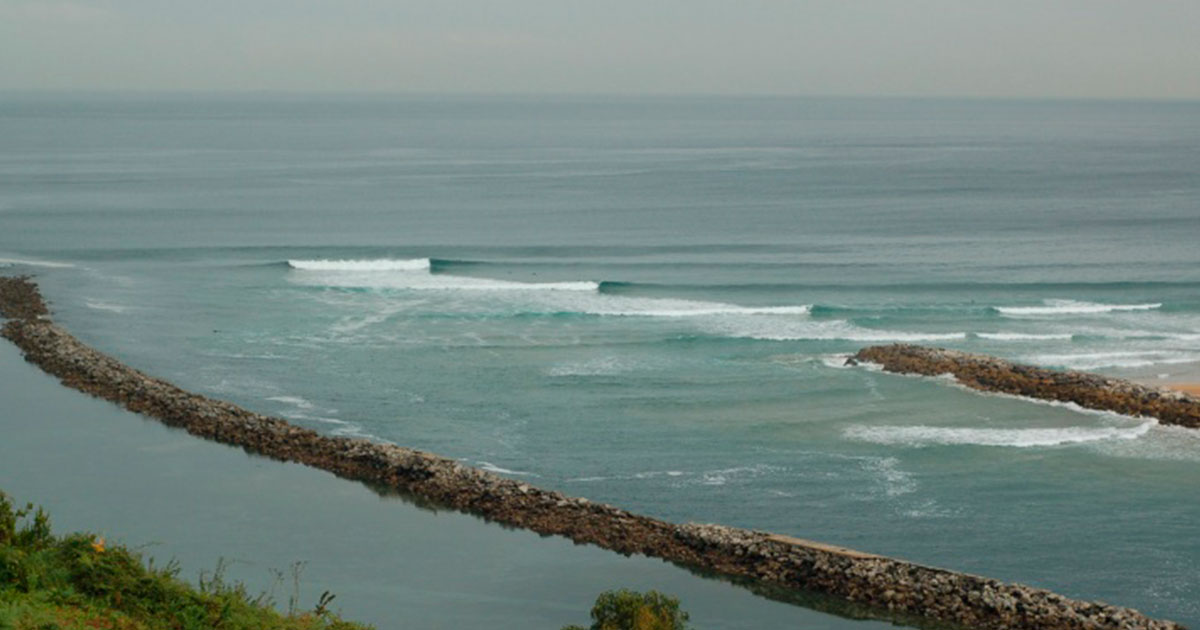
{"x": 381, "y": 264}
{"x": 921, "y": 435}
{"x": 523, "y": 296}
{"x": 412, "y": 275}
{"x": 687, "y": 308}
{"x": 1072, "y": 307}
{"x": 1128, "y": 359}
{"x": 1009, "y": 336}
{"x": 777, "y": 329}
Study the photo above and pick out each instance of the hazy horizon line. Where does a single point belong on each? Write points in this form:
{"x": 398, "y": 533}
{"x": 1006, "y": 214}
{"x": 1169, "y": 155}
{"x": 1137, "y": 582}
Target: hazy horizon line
{"x": 386, "y": 94}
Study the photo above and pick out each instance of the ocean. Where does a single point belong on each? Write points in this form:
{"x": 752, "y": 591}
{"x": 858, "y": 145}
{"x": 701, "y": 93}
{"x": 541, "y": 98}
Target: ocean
{"x": 649, "y": 301}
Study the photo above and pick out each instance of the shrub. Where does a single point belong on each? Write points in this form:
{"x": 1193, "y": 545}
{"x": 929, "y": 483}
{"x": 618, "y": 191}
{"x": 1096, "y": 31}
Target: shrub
{"x": 629, "y": 610}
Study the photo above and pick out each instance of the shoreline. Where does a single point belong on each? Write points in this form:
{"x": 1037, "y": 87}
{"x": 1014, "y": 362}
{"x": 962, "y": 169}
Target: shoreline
{"x": 887, "y": 584}
{"x": 1192, "y": 389}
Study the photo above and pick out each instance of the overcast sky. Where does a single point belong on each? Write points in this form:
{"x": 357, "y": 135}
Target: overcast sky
{"x": 1007, "y": 48}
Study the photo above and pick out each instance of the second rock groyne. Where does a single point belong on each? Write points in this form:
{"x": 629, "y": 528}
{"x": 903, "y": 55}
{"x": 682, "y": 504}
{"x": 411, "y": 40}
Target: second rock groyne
{"x": 990, "y": 374}
{"x": 886, "y": 584}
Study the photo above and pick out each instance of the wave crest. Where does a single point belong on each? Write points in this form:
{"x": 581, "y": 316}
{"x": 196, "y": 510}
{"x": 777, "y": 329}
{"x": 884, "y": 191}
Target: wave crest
{"x": 922, "y": 435}
{"x": 1009, "y": 336}
{"x": 1072, "y": 307}
{"x": 380, "y": 264}
{"x": 829, "y": 330}
{"x": 1120, "y": 359}
{"x": 685, "y": 308}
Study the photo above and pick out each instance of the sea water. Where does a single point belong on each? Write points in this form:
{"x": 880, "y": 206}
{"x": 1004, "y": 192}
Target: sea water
{"x": 649, "y": 301}
{"x": 387, "y": 561}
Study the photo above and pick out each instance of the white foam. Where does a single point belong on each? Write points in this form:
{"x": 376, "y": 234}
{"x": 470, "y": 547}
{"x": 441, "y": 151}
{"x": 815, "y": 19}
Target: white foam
{"x": 929, "y": 508}
{"x": 718, "y": 477}
{"x": 325, "y": 419}
{"x": 774, "y": 329}
{"x": 266, "y": 356}
{"x": 723, "y": 476}
{"x": 381, "y": 264}
{"x": 895, "y": 482}
{"x": 104, "y": 306}
{"x": 836, "y": 361}
{"x": 600, "y": 366}
{"x": 953, "y": 381}
{"x": 36, "y": 263}
{"x": 1109, "y": 332}
{"x": 637, "y": 476}
{"x": 539, "y": 298}
{"x": 1153, "y": 334}
{"x": 348, "y": 325}
{"x": 1072, "y": 307}
{"x": 418, "y": 279}
{"x": 295, "y": 401}
{"x": 308, "y": 412}
{"x": 686, "y": 308}
{"x": 1163, "y": 442}
{"x": 353, "y": 430}
{"x": 484, "y": 284}
{"x": 1128, "y": 359}
{"x": 650, "y": 474}
{"x": 869, "y": 335}
{"x": 922, "y": 435}
{"x": 1012, "y": 336}
{"x": 490, "y": 467}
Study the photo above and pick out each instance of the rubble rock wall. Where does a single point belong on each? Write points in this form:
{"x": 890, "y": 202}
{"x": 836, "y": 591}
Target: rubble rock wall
{"x": 990, "y": 374}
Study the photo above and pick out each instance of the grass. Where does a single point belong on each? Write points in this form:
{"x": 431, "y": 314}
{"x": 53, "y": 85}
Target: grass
{"x": 77, "y": 581}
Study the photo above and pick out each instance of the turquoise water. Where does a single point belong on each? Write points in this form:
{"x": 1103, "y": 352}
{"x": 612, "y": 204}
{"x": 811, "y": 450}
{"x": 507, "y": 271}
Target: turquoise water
{"x": 388, "y": 562}
{"x": 648, "y": 301}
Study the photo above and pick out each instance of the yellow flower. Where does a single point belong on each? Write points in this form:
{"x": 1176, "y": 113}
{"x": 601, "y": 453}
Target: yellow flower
{"x": 98, "y": 545}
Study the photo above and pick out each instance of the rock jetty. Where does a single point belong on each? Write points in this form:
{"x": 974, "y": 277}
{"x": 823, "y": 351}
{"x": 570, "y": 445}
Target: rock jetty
{"x": 990, "y": 374}
{"x": 895, "y": 588}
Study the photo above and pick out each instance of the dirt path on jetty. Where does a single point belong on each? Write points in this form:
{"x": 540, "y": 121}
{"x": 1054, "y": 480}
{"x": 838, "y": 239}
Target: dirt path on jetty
{"x": 888, "y": 584}
{"x": 986, "y": 373}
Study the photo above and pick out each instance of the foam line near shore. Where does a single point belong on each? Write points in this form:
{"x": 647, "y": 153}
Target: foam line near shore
{"x": 989, "y": 374}
{"x": 888, "y": 584}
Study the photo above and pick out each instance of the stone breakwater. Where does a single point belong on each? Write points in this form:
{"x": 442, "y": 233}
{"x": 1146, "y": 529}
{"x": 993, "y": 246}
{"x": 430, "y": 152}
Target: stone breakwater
{"x": 990, "y": 374}
{"x": 904, "y": 588}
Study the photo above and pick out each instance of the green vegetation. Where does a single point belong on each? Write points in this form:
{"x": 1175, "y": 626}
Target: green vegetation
{"x": 630, "y": 610}
{"x": 78, "y": 582}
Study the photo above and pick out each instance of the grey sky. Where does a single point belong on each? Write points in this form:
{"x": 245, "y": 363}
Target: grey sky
{"x": 1010, "y": 48}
